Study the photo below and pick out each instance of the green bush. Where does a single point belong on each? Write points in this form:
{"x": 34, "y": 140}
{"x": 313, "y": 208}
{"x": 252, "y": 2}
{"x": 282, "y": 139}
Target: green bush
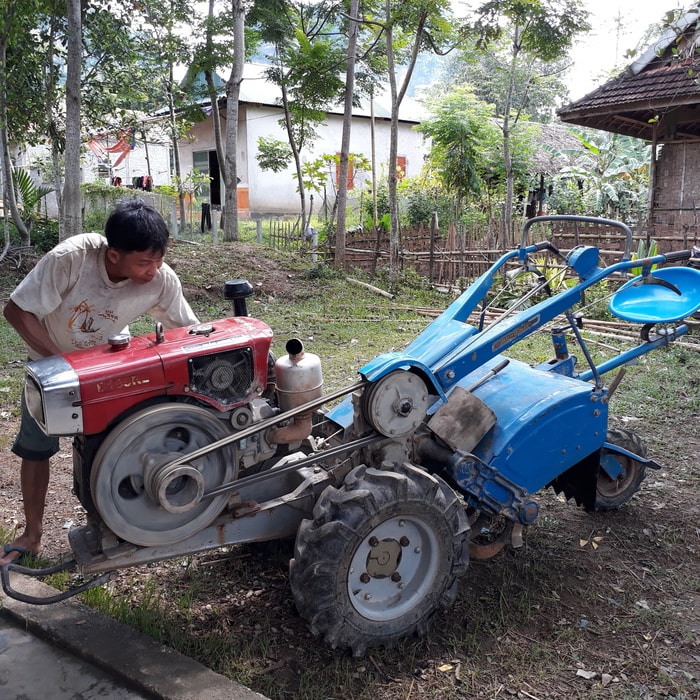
{"x": 419, "y": 200}
{"x": 45, "y": 234}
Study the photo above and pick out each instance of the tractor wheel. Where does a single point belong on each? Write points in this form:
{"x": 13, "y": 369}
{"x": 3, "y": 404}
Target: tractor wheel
{"x": 612, "y": 493}
{"x": 381, "y": 555}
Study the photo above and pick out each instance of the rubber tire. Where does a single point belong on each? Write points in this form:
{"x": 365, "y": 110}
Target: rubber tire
{"x": 609, "y": 496}
{"x": 369, "y": 501}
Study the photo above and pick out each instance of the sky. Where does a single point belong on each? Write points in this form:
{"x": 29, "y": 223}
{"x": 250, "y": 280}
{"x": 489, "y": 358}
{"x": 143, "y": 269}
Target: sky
{"x": 604, "y": 48}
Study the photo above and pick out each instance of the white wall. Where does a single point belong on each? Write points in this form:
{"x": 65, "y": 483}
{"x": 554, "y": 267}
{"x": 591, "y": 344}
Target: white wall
{"x": 275, "y": 193}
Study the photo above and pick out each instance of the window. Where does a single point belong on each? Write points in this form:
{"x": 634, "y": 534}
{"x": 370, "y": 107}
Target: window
{"x": 401, "y": 163}
{"x": 351, "y": 172}
{"x": 207, "y": 163}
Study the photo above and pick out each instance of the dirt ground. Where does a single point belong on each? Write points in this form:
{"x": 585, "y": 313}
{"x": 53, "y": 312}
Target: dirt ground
{"x": 593, "y": 605}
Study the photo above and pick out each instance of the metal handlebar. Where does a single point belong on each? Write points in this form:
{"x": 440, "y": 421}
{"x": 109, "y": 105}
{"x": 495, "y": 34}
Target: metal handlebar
{"x": 582, "y": 219}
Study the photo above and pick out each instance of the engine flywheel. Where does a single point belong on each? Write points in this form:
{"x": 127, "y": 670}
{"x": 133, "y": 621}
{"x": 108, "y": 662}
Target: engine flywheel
{"x": 139, "y": 496}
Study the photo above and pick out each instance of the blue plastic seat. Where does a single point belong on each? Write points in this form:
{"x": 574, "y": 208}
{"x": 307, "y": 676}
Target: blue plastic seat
{"x": 647, "y": 302}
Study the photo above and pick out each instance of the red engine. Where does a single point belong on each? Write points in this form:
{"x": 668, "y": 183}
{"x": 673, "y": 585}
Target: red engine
{"x": 137, "y": 406}
{"x": 223, "y": 364}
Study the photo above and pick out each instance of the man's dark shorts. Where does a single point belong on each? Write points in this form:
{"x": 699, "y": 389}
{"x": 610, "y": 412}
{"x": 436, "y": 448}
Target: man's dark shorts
{"x": 31, "y": 442}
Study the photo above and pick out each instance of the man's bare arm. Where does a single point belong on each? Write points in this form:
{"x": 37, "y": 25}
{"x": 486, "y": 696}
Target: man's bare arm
{"x": 30, "y": 330}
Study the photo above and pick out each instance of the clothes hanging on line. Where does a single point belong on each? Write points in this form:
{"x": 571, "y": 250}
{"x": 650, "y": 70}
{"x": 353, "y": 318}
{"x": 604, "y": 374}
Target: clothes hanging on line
{"x": 142, "y": 182}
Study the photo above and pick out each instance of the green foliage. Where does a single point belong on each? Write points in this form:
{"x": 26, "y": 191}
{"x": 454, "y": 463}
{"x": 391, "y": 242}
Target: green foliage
{"x": 320, "y": 172}
{"x": 99, "y": 200}
{"x": 544, "y": 29}
{"x": 29, "y": 194}
{"x": 567, "y": 197}
{"x": 45, "y": 234}
{"x": 460, "y": 128}
{"x": 420, "y": 198}
{"x": 382, "y": 197}
{"x": 307, "y": 59}
{"x": 26, "y": 35}
{"x": 645, "y": 251}
{"x": 321, "y": 271}
{"x": 467, "y": 149}
{"x": 613, "y": 171}
{"x": 273, "y": 154}
{"x": 536, "y": 84}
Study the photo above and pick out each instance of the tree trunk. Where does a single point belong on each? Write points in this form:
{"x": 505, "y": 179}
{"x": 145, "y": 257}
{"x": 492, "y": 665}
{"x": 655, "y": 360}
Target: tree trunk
{"x": 51, "y": 82}
{"x": 72, "y": 206}
{"x": 342, "y": 198}
{"x": 233, "y": 91}
{"x": 296, "y": 155}
{"x": 5, "y": 161}
{"x": 507, "y": 155}
{"x": 214, "y": 101}
{"x": 393, "y": 150}
{"x": 397, "y": 96}
{"x": 174, "y": 140}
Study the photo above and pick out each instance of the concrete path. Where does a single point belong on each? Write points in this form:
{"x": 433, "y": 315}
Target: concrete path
{"x": 31, "y": 668}
{"x": 66, "y": 650}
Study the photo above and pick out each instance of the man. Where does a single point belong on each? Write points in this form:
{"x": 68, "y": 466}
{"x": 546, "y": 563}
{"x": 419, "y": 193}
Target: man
{"x": 86, "y": 289}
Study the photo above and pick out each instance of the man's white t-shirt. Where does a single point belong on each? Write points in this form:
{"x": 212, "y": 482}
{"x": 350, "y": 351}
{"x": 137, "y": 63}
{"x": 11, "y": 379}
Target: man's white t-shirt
{"x": 71, "y": 294}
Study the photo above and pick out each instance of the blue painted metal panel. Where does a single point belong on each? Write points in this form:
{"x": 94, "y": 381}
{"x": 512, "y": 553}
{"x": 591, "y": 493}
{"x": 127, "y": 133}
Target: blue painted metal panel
{"x": 546, "y": 423}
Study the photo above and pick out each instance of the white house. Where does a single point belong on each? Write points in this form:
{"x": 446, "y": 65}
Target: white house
{"x": 142, "y": 158}
{"x": 264, "y": 192}
{"x": 141, "y": 161}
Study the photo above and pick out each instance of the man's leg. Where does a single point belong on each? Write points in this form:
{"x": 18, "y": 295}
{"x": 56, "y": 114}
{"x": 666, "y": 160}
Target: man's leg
{"x": 35, "y": 449}
{"x": 34, "y": 481}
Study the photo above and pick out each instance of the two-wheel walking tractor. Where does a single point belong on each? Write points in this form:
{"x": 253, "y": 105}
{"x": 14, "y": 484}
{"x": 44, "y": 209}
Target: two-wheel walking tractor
{"x": 196, "y": 438}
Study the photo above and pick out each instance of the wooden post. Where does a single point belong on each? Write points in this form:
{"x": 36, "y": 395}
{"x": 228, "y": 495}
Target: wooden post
{"x": 433, "y": 232}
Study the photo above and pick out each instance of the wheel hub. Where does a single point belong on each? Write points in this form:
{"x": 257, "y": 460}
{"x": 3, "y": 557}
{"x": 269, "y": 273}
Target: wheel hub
{"x": 396, "y": 404}
{"x": 393, "y": 568}
{"x": 176, "y": 489}
{"x": 384, "y": 558}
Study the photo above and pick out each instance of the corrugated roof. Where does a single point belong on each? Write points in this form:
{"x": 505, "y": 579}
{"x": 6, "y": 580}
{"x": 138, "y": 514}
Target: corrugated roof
{"x": 257, "y": 89}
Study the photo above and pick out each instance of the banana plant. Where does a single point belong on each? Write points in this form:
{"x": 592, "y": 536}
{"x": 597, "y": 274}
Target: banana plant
{"x": 614, "y": 170}
{"x": 645, "y": 251}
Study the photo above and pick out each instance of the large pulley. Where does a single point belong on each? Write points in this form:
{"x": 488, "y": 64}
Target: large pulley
{"x": 143, "y": 499}
{"x": 396, "y": 404}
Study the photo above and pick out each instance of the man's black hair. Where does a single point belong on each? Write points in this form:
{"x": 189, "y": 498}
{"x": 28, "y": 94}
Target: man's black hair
{"x": 135, "y": 225}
